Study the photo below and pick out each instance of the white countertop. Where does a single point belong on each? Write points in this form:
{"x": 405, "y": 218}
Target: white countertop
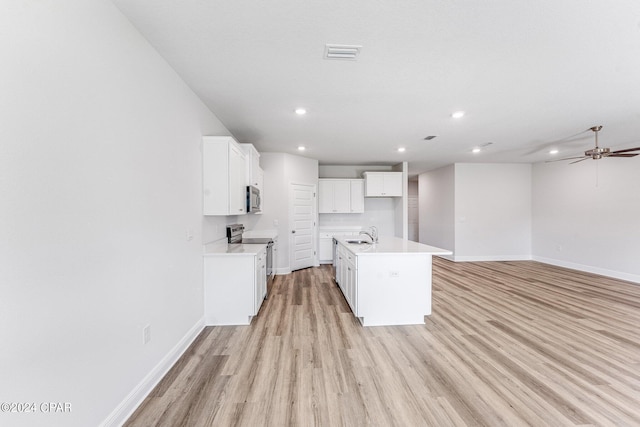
{"x": 391, "y": 245}
{"x": 225, "y": 248}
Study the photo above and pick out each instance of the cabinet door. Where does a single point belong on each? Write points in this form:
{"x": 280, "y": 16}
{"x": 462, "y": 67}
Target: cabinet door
{"x": 261, "y": 279}
{"x": 326, "y": 248}
{"x": 341, "y": 196}
{"x": 255, "y": 169}
{"x": 325, "y": 196}
{"x": 383, "y": 184}
{"x": 237, "y": 187}
{"x": 340, "y": 268}
{"x": 374, "y": 185}
{"x": 223, "y": 176}
{"x": 393, "y": 184}
{"x": 357, "y": 195}
{"x": 351, "y": 281}
{"x": 260, "y": 181}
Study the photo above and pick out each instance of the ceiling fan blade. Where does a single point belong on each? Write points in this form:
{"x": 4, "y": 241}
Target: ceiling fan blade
{"x": 568, "y": 158}
{"x": 622, "y": 155}
{"x": 578, "y": 161}
{"x": 626, "y": 150}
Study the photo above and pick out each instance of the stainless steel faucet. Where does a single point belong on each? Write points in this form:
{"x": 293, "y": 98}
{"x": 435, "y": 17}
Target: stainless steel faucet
{"x": 373, "y": 234}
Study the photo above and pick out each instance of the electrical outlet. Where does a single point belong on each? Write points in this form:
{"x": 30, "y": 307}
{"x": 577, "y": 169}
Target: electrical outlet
{"x": 189, "y": 235}
{"x": 146, "y": 334}
{"x": 394, "y": 274}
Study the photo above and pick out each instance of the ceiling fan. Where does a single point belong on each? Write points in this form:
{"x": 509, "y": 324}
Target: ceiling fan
{"x": 597, "y": 152}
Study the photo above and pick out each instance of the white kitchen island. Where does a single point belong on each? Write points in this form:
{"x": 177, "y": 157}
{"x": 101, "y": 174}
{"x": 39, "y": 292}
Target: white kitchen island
{"x": 386, "y": 283}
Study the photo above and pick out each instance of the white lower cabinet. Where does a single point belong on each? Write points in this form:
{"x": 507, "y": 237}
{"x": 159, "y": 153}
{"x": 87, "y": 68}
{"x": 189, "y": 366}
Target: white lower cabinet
{"x": 234, "y": 287}
{"x": 347, "y": 276}
{"x": 351, "y": 277}
{"x": 261, "y": 279}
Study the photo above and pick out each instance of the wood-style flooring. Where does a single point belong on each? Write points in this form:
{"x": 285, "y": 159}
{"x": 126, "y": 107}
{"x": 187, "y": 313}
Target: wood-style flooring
{"x": 508, "y": 344}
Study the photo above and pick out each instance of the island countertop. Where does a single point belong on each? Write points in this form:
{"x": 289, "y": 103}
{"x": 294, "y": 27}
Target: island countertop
{"x": 390, "y": 245}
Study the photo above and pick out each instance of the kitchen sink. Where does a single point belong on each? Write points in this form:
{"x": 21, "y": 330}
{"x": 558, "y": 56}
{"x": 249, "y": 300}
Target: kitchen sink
{"x": 358, "y": 242}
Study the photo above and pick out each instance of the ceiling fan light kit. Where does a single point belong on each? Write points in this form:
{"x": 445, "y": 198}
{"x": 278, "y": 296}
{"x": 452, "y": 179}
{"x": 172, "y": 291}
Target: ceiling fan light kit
{"x": 598, "y": 153}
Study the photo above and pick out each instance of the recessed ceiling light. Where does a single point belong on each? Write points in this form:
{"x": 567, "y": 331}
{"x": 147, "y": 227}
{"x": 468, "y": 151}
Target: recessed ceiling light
{"x": 457, "y": 114}
{"x": 301, "y": 111}
{"x": 554, "y": 151}
{"x": 401, "y": 150}
{"x": 301, "y": 148}
{"x": 476, "y": 150}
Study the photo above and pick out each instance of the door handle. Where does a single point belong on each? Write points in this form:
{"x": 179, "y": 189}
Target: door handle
{"x": 293, "y": 231}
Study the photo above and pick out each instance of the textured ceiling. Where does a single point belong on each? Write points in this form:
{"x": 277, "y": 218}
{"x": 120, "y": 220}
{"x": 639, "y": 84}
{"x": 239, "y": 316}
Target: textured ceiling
{"x": 529, "y": 74}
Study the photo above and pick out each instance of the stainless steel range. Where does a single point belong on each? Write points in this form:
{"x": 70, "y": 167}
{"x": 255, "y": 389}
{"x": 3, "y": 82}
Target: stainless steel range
{"x": 234, "y": 235}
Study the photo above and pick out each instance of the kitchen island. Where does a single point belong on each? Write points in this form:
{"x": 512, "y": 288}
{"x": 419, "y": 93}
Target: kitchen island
{"x": 388, "y": 282}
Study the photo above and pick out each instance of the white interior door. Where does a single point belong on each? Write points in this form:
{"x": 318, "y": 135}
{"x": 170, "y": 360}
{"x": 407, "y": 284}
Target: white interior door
{"x": 302, "y": 225}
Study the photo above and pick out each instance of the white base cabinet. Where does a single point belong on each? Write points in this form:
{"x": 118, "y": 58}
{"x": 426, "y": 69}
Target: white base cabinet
{"x": 347, "y": 276}
{"x": 234, "y": 287}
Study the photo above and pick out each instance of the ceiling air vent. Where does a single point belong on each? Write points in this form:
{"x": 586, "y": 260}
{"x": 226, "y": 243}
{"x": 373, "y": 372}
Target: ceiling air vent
{"x": 342, "y": 51}
{"x": 429, "y": 138}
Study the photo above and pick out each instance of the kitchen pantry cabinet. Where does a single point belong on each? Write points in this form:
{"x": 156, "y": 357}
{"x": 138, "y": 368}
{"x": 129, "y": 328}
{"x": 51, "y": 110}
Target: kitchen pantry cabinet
{"x": 223, "y": 176}
{"x": 383, "y": 184}
{"x": 340, "y": 195}
{"x": 235, "y": 285}
{"x": 254, "y": 174}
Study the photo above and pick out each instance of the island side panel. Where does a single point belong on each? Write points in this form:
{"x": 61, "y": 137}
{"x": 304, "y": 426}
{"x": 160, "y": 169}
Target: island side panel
{"x": 394, "y": 289}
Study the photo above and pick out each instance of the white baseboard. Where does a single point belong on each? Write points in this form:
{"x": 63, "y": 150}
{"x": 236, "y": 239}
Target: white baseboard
{"x": 281, "y": 271}
{"x": 492, "y": 258}
{"x": 589, "y": 269}
{"x": 124, "y": 410}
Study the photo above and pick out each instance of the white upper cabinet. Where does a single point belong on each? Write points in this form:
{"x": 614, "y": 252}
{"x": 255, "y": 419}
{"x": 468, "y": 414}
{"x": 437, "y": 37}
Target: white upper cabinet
{"x": 383, "y": 184}
{"x": 254, "y": 174}
{"x": 357, "y": 195}
{"x": 340, "y": 196}
{"x": 223, "y": 176}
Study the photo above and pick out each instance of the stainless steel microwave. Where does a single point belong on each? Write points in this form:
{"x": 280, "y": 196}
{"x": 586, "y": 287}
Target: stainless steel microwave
{"x": 253, "y": 199}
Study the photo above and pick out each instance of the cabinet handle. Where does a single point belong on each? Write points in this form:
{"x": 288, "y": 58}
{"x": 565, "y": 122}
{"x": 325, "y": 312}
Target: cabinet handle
{"x": 293, "y": 231}
{"x": 241, "y": 210}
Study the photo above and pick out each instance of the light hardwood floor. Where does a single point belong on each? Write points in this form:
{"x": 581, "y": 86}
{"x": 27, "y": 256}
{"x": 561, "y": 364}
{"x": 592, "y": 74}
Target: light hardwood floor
{"x": 508, "y": 344}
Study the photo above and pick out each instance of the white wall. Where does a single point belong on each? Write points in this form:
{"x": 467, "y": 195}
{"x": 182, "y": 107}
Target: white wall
{"x": 436, "y": 207}
{"x": 586, "y": 216}
{"x": 492, "y": 211}
{"x": 100, "y": 180}
{"x": 478, "y": 211}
